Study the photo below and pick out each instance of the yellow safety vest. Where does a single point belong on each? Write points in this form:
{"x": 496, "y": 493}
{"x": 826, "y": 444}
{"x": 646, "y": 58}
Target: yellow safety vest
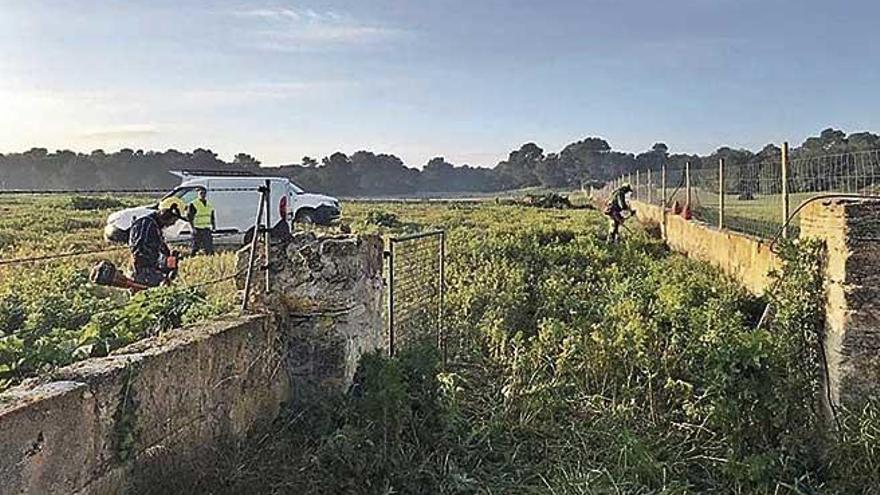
{"x": 204, "y": 211}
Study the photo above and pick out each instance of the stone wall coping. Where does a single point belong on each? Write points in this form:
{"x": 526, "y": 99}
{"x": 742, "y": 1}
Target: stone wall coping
{"x": 76, "y": 375}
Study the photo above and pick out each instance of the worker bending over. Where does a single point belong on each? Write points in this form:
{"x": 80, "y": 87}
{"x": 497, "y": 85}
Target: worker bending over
{"x": 150, "y": 255}
{"x": 614, "y": 209}
{"x": 200, "y": 215}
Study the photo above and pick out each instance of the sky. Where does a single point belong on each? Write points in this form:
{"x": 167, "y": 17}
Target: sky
{"x": 469, "y": 80}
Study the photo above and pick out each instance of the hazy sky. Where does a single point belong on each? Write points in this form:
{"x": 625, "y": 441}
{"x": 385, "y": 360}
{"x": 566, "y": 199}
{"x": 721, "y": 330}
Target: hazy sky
{"x": 466, "y": 79}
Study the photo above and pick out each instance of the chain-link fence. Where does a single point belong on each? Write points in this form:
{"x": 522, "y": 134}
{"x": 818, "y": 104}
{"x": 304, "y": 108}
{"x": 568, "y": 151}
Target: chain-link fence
{"x": 416, "y": 290}
{"x": 755, "y": 197}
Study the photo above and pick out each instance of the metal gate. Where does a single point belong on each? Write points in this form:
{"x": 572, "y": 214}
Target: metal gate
{"x": 416, "y": 285}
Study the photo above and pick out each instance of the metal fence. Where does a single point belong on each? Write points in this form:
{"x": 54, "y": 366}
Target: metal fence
{"x": 755, "y": 197}
{"x": 416, "y": 285}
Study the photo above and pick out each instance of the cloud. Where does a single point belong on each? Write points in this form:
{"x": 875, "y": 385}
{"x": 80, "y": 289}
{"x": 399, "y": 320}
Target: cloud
{"x": 287, "y": 29}
{"x": 126, "y": 131}
{"x": 269, "y": 14}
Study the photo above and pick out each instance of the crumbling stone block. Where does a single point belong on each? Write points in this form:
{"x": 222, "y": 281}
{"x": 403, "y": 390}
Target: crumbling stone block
{"x": 329, "y": 289}
{"x": 850, "y": 230}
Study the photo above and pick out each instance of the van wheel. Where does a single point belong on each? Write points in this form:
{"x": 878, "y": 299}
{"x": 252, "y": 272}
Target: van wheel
{"x": 304, "y": 216}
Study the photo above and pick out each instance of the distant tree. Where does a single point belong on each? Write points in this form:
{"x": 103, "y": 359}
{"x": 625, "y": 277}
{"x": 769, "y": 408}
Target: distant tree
{"x": 585, "y": 160}
{"x": 369, "y": 173}
{"x": 550, "y": 172}
{"x": 863, "y": 141}
{"x": 246, "y": 161}
{"x": 519, "y": 168}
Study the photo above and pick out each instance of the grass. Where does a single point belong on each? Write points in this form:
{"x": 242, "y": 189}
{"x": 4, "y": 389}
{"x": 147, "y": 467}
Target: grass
{"x": 577, "y": 367}
{"x": 51, "y": 315}
{"x": 32, "y": 226}
{"x": 761, "y": 216}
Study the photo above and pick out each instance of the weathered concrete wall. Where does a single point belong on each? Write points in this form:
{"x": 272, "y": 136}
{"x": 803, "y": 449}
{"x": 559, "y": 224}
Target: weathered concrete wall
{"x": 162, "y": 409}
{"x": 157, "y": 404}
{"x": 329, "y": 289}
{"x": 850, "y": 230}
{"x": 746, "y": 258}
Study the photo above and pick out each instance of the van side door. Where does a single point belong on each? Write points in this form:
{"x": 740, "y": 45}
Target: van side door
{"x": 235, "y": 204}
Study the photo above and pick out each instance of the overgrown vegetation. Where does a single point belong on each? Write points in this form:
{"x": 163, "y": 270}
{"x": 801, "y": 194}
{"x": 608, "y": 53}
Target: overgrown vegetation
{"x": 577, "y": 367}
{"x": 54, "y": 317}
{"x": 50, "y": 315}
{"x": 582, "y": 368}
{"x": 94, "y": 203}
{"x": 382, "y": 219}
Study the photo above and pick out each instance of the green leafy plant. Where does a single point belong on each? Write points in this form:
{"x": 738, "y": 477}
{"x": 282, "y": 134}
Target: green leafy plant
{"x": 382, "y": 218}
{"x": 94, "y": 203}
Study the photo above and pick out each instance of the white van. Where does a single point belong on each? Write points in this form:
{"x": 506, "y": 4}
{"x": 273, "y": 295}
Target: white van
{"x": 235, "y": 199}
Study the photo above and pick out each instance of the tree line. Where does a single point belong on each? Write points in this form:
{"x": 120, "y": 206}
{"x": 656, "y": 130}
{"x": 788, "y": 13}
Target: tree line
{"x": 590, "y": 161}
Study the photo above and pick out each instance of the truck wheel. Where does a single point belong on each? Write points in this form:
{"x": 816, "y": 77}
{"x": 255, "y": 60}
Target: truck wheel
{"x": 248, "y": 236}
{"x": 304, "y": 216}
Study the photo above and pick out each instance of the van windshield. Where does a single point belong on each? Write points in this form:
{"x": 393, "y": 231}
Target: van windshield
{"x": 295, "y": 188}
{"x": 186, "y": 194}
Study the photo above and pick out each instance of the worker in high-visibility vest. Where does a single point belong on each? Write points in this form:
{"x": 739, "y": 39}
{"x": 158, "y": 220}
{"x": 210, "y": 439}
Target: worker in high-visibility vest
{"x": 200, "y": 214}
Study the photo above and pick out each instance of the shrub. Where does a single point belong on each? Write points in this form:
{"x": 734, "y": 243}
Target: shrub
{"x": 382, "y": 219}
{"x": 55, "y": 316}
{"x": 94, "y": 203}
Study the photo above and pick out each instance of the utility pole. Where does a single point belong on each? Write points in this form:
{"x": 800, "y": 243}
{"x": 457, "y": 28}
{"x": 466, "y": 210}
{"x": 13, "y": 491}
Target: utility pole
{"x": 650, "y": 189}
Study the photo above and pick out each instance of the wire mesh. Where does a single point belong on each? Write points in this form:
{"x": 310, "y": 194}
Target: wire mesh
{"x": 853, "y": 173}
{"x": 675, "y": 191}
{"x": 754, "y": 199}
{"x": 752, "y": 192}
{"x": 647, "y": 186}
{"x": 415, "y": 299}
{"x": 847, "y": 173}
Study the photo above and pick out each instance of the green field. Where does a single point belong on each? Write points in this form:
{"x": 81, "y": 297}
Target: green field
{"x": 760, "y": 216}
{"x": 577, "y": 367}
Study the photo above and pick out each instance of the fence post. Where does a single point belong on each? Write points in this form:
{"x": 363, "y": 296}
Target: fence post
{"x": 650, "y": 188}
{"x": 637, "y": 195}
{"x": 390, "y": 254}
{"x": 687, "y": 184}
{"x": 253, "y": 250}
{"x": 268, "y": 233}
{"x": 721, "y": 193}
{"x": 442, "y": 329}
{"x": 663, "y": 199}
{"x": 785, "y": 211}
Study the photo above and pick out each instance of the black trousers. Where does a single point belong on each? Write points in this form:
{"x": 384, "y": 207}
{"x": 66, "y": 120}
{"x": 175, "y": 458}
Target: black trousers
{"x": 148, "y": 275}
{"x": 202, "y": 240}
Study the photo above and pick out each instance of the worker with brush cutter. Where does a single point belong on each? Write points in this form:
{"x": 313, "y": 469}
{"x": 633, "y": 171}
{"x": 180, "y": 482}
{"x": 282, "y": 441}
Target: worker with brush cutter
{"x": 153, "y": 262}
{"x": 614, "y": 208}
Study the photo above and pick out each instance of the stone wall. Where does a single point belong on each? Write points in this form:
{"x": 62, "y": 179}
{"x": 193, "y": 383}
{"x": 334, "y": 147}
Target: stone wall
{"x": 850, "y": 230}
{"x": 164, "y": 408}
{"x": 161, "y": 403}
{"x": 329, "y": 289}
{"x": 746, "y": 258}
